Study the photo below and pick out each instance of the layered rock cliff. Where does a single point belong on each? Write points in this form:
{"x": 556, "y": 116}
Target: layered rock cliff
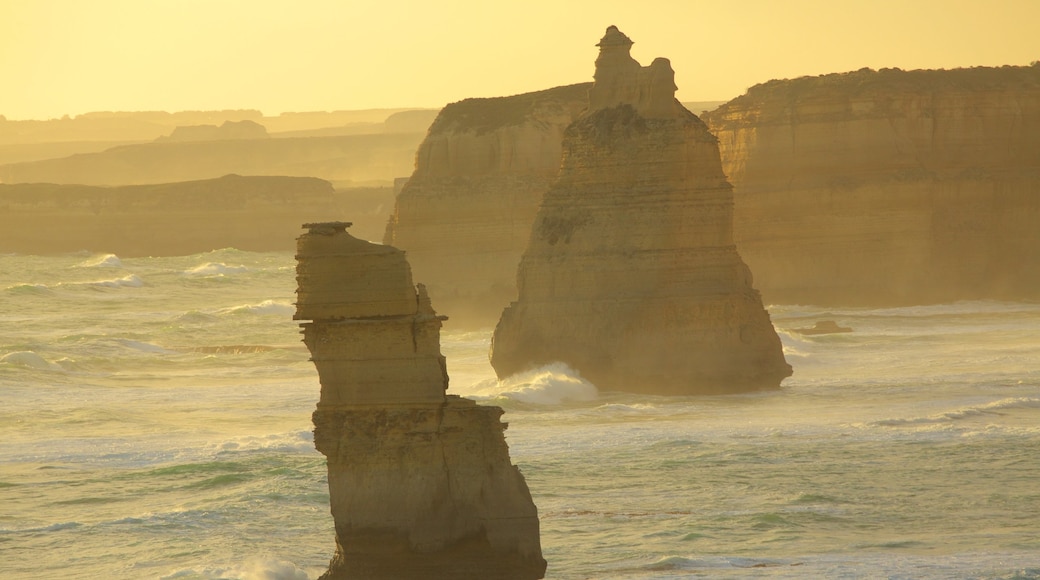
{"x": 248, "y": 213}
{"x": 888, "y": 187}
{"x": 630, "y": 274}
{"x": 465, "y": 214}
{"x": 420, "y": 482}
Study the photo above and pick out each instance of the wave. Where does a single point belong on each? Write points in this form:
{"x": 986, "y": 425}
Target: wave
{"x": 28, "y": 289}
{"x": 257, "y": 570}
{"x": 30, "y": 360}
{"x": 291, "y": 442}
{"x": 128, "y": 281}
{"x": 215, "y": 269}
{"x": 669, "y": 563}
{"x": 102, "y": 261}
{"x": 142, "y": 346}
{"x": 267, "y": 307}
{"x": 552, "y": 384}
{"x": 993, "y": 408}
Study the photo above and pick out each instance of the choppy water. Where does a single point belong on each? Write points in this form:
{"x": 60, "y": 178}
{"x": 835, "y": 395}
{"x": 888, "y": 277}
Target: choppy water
{"x": 155, "y": 423}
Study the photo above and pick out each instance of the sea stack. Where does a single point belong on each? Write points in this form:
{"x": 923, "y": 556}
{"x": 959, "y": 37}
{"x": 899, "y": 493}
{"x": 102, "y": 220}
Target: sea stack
{"x": 420, "y": 482}
{"x": 631, "y": 275}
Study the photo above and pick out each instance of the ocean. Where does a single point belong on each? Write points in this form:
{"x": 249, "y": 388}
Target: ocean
{"x": 155, "y": 423}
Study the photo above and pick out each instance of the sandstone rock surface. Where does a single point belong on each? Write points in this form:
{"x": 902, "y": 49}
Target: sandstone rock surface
{"x": 888, "y": 187}
{"x": 420, "y": 482}
{"x": 465, "y": 214}
{"x": 631, "y": 275}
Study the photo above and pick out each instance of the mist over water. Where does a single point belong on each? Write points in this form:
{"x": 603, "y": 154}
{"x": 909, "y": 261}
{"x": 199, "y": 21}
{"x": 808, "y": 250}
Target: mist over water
{"x": 155, "y": 423}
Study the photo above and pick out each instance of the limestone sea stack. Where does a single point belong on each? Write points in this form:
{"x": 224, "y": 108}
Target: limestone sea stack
{"x": 888, "y": 187}
{"x": 420, "y": 482}
{"x": 631, "y": 275}
{"x": 465, "y": 214}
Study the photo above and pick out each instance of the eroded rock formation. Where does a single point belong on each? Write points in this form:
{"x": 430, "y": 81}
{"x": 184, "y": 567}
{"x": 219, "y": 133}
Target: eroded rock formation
{"x": 888, "y": 187}
{"x": 631, "y": 275}
{"x": 420, "y": 482}
{"x": 466, "y": 212}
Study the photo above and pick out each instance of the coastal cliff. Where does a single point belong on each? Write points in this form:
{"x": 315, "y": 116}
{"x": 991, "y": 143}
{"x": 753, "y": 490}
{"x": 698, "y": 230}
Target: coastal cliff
{"x": 465, "y": 214}
{"x": 630, "y": 274}
{"x": 256, "y": 214}
{"x": 420, "y": 482}
{"x": 888, "y": 187}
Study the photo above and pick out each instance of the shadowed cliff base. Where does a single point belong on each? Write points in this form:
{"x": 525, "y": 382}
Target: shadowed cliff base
{"x": 630, "y": 275}
{"x": 888, "y": 187}
{"x": 420, "y": 482}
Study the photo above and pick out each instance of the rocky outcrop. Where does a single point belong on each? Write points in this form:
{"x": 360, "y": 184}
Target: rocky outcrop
{"x": 420, "y": 482}
{"x": 465, "y": 214}
{"x": 631, "y": 275}
{"x": 888, "y": 187}
{"x": 257, "y": 214}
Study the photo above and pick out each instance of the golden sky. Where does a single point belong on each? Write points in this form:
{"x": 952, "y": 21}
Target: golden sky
{"x": 62, "y": 57}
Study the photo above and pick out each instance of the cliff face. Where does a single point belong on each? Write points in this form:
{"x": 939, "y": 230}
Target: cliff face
{"x": 630, "y": 274}
{"x": 465, "y": 214}
{"x": 888, "y": 187}
{"x": 420, "y": 483}
{"x": 248, "y": 213}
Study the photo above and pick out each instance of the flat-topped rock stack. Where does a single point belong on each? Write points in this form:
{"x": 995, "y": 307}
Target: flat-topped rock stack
{"x": 420, "y": 482}
{"x": 631, "y": 275}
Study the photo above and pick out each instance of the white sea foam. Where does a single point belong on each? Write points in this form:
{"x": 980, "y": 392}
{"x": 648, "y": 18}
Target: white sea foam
{"x": 128, "y": 281}
{"x": 102, "y": 261}
{"x": 993, "y": 408}
{"x": 215, "y": 269}
{"x": 267, "y": 307}
{"x": 551, "y": 384}
{"x": 265, "y": 569}
{"x": 292, "y": 442}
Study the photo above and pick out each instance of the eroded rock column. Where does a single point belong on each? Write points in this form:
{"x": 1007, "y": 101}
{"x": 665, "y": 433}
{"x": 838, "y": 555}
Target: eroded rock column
{"x": 420, "y": 482}
{"x": 631, "y": 275}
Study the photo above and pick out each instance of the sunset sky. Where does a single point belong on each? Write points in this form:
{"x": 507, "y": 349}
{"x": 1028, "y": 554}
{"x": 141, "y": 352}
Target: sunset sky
{"x": 62, "y": 57}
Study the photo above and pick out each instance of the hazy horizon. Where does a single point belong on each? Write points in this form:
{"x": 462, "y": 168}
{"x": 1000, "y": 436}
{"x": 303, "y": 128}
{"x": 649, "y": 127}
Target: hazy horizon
{"x": 64, "y": 57}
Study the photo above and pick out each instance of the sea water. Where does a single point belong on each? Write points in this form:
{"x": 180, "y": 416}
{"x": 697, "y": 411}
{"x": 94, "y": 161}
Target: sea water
{"x": 155, "y": 423}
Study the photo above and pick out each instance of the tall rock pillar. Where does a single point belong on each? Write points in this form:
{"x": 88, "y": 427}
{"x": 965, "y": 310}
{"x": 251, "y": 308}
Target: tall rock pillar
{"x": 420, "y": 482}
{"x": 631, "y": 275}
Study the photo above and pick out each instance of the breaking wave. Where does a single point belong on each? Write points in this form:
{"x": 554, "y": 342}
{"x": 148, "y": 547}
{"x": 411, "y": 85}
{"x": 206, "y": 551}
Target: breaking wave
{"x": 552, "y": 384}
{"x": 102, "y": 261}
{"x": 993, "y": 408}
{"x": 267, "y": 307}
{"x": 215, "y": 269}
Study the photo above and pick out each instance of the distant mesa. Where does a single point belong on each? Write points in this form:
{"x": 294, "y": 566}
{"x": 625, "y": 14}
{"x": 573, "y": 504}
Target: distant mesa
{"x": 631, "y": 275}
{"x": 228, "y": 131}
{"x": 823, "y": 327}
{"x": 420, "y": 482}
